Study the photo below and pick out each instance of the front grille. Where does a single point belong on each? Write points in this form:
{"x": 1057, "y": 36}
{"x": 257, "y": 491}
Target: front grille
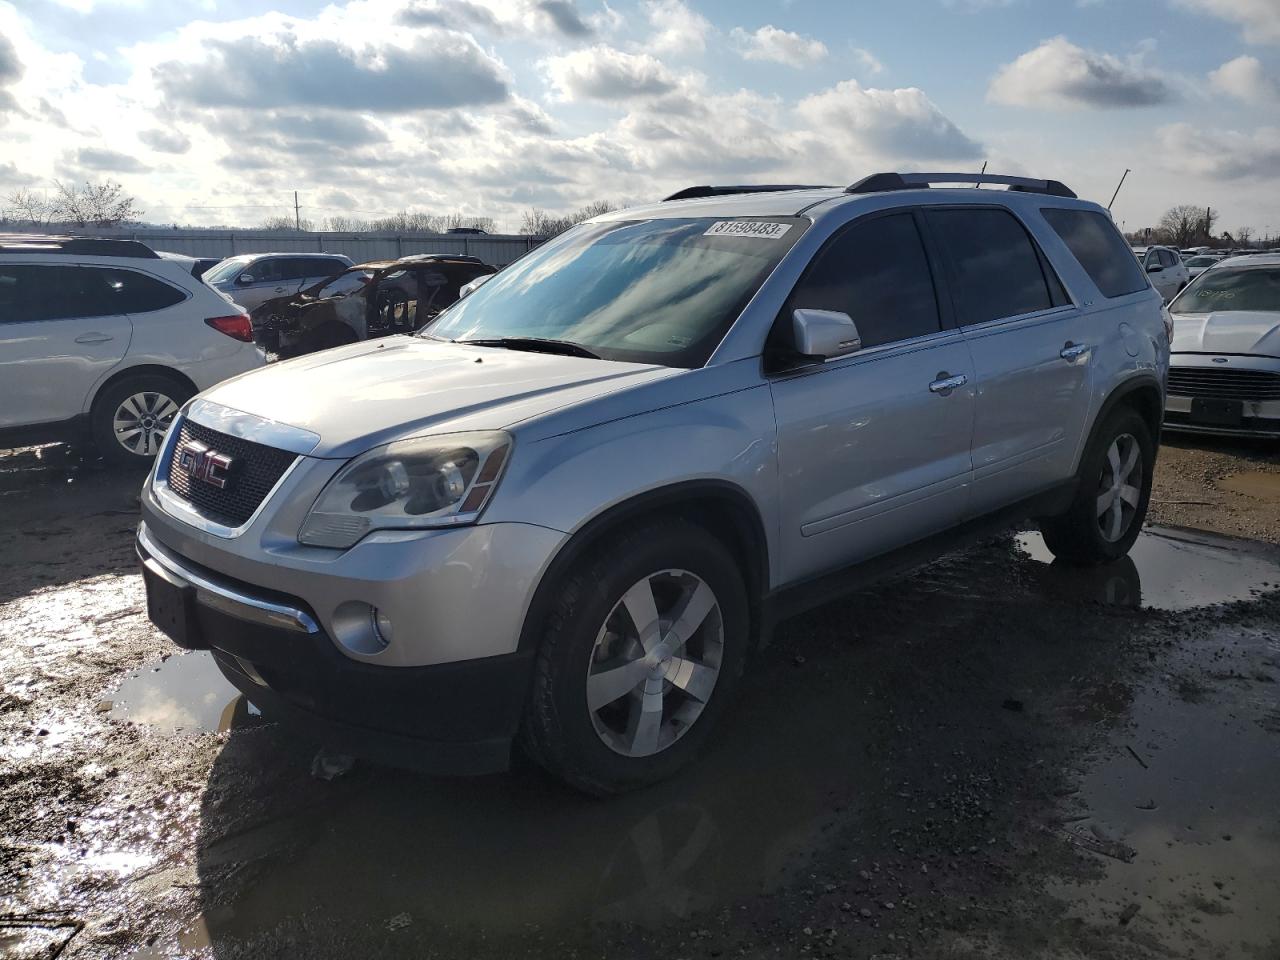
{"x": 256, "y": 468}
{"x": 1212, "y": 383}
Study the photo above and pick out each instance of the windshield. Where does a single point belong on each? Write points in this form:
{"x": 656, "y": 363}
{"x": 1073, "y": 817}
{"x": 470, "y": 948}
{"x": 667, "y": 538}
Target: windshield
{"x": 1202, "y": 261}
{"x": 653, "y": 291}
{"x": 226, "y": 270}
{"x": 344, "y": 284}
{"x": 1231, "y": 288}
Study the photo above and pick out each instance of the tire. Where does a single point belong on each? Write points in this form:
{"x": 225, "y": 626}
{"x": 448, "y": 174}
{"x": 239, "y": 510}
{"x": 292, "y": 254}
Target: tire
{"x": 1092, "y": 532}
{"x": 618, "y": 746}
{"x": 131, "y": 416}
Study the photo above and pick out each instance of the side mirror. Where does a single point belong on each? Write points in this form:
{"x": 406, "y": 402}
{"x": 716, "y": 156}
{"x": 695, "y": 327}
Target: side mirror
{"x": 1154, "y": 268}
{"x": 245, "y": 278}
{"x": 824, "y": 334}
{"x": 471, "y": 286}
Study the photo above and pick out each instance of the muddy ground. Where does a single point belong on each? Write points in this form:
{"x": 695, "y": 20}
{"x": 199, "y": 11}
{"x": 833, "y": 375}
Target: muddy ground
{"x": 994, "y": 757}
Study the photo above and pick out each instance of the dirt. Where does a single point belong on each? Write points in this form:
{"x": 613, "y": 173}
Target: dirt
{"x": 1227, "y": 486}
{"x": 996, "y": 756}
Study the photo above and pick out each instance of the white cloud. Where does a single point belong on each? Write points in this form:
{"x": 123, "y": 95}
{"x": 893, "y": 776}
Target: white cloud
{"x": 1221, "y": 154}
{"x": 778, "y": 46}
{"x": 1244, "y": 79}
{"x": 869, "y": 61}
{"x": 1259, "y": 20}
{"x": 605, "y": 73}
{"x": 677, "y": 29}
{"x": 1060, "y": 75}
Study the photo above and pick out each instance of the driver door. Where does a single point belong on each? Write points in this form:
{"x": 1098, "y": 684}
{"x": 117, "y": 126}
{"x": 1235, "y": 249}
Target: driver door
{"x": 874, "y": 446}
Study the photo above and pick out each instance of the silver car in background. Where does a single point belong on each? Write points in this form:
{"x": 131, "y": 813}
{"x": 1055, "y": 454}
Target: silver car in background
{"x": 565, "y": 514}
{"x": 252, "y": 279}
{"x": 1224, "y": 374}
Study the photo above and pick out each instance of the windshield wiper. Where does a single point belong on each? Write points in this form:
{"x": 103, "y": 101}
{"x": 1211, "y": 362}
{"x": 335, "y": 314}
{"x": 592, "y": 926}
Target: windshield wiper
{"x": 535, "y": 345}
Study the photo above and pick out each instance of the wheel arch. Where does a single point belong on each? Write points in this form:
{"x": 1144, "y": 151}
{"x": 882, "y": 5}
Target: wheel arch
{"x": 722, "y": 508}
{"x": 1141, "y": 393}
{"x": 139, "y": 370}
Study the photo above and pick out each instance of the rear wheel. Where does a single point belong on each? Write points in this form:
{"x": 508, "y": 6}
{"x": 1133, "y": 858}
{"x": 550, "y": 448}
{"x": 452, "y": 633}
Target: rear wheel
{"x": 639, "y": 657}
{"x": 131, "y": 417}
{"x": 1114, "y": 489}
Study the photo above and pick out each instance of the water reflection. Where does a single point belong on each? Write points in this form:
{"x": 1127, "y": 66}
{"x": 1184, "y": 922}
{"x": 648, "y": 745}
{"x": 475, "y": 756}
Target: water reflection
{"x": 183, "y": 693}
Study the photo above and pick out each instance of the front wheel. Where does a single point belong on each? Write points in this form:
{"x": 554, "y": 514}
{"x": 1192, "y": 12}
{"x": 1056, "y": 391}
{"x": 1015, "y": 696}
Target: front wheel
{"x": 1114, "y": 488}
{"x": 131, "y": 417}
{"x": 639, "y": 656}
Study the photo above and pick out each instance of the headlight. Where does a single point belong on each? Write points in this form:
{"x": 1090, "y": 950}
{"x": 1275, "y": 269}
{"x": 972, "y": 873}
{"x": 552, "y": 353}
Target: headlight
{"x": 408, "y": 485}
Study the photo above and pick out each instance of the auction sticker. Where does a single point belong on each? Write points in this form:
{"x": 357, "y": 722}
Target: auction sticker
{"x": 758, "y": 229}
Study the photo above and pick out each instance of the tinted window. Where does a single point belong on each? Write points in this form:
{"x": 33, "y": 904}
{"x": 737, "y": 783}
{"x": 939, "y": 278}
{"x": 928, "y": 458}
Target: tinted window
{"x": 1167, "y": 259}
{"x": 877, "y": 273}
{"x": 1097, "y": 244}
{"x": 32, "y": 292}
{"x": 321, "y": 267}
{"x": 997, "y": 269}
{"x": 132, "y": 292}
{"x": 1232, "y": 288}
{"x": 17, "y": 300}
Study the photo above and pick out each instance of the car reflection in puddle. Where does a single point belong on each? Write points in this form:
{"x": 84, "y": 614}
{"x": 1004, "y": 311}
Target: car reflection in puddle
{"x": 800, "y": 754}
{"x": 183, "y": 693}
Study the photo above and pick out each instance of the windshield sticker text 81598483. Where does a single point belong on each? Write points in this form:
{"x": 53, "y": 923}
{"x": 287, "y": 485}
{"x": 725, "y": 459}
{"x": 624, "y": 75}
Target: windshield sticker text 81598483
{"x": 747, "y": 228}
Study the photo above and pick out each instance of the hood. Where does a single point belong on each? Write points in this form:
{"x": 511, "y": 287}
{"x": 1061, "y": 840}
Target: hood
{"x": 1231, "y": 331}
{"x": 370, "y": 393}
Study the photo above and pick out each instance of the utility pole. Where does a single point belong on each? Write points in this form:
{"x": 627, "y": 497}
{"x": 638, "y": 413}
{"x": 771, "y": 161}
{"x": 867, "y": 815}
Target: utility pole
{"x": 1118, "y": 186}
{"x": 297, "y": 215}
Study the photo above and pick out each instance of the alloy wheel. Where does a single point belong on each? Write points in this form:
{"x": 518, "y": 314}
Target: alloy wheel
{"x": 1120, "y": 487}
{"x": 655, "y": 663}
{"x": 142, "y": 420}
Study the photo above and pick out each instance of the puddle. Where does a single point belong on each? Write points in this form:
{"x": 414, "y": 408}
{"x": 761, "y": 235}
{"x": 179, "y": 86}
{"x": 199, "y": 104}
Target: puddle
{"x": 1260, "y": 486}
{"x": 1168, "y": 568}
{"x": 184, "y": 693}
{"x": 1199, "y": 820}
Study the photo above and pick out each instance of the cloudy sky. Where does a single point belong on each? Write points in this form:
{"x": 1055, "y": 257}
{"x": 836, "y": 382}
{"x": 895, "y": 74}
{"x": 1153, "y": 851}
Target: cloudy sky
{"x": 215, "y": 111}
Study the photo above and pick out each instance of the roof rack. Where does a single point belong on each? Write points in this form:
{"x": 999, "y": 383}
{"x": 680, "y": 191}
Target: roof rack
{"x": 879, "y": 182}
{"x": 693, "y": 193}
{"x": 76, "y": 246}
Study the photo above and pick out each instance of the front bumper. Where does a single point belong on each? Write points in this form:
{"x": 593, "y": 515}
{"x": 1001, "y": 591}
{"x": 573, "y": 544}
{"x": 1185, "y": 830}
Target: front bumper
{"x": 456, "y": 718}
{"x": 1258, "y": 417}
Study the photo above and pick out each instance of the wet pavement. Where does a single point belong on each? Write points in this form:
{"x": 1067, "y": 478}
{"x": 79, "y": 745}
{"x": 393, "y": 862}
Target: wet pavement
{"x": 997, "y": 756}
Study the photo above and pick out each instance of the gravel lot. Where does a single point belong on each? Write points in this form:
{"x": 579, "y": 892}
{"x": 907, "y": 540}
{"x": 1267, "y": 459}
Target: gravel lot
{"x": 993, "y": 757}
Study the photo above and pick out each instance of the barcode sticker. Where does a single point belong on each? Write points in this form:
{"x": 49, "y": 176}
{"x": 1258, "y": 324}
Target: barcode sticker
{"x": 758, "y": 229}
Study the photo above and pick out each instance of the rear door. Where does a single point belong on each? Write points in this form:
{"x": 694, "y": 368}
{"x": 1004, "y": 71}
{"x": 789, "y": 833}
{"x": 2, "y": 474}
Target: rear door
{"x": 315, "y": 269}
{"x": 1029, "y": 350}
{"x": 873, "y": 448}
{"x": 60, "y": 332}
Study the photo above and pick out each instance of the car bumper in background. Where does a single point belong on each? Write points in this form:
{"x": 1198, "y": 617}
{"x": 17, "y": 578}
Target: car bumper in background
{"x": 1230, "y": 395}
{"x": 455, "y": 718}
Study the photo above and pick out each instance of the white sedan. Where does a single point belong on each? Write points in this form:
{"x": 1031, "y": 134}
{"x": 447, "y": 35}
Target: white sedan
{"x": 1198, "y": 265}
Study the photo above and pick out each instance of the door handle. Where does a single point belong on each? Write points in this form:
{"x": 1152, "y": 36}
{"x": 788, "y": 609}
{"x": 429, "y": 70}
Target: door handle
{"x": 93, "y": 338}
{"x": 1073, "y": 351}
{"x": 945, "y": 384}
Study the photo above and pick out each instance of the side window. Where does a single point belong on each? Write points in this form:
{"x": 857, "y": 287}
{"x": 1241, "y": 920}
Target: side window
{"x": 17, "y": 294}
{"x": 67, "y": 292}
{"x": 1168, "y": 259}
{"x": 266, "y": 270}
{"x": 1097, "y": 244}
{"x": 321, "y": 267}
{"x": 132, "y": 292}
{"x": 877, "y": 272}
{"x": 997, "y": 266}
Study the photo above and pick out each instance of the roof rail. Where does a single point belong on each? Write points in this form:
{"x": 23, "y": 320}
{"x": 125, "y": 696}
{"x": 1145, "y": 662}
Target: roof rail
{"x": 879, "y": 182}
{"x": 451, "y": 257}
{"x": 76, "y": 246}
{"x": 693, "y": 193}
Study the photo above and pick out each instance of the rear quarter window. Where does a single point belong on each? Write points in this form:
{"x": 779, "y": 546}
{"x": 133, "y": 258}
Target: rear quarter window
{"x": 1094, "y": 241}
{"x": 132, "y": 292}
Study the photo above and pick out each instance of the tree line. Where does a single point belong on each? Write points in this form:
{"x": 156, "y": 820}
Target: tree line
{"x": 1189, "y": 225}
{"x": 91, "y": 205}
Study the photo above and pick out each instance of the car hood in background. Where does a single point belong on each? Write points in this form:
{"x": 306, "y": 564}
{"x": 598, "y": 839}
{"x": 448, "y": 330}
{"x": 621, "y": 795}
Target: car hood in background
{"x": 1231, "y": 331}
{"x": 369, "y": 393}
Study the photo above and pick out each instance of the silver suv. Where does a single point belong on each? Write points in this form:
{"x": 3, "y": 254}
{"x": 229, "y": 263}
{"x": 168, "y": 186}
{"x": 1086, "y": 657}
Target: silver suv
{"x": 564, "y": 514}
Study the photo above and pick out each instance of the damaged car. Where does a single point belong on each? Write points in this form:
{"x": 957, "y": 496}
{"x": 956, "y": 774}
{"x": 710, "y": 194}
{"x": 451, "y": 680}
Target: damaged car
{"x": 369, "y": 300}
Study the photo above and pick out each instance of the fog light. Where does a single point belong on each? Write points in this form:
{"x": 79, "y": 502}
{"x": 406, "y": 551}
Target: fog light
{"x": 381, "y": 626}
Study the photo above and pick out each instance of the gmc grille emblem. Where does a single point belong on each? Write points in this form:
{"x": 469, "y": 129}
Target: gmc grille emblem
{"x": 199, "y": 462}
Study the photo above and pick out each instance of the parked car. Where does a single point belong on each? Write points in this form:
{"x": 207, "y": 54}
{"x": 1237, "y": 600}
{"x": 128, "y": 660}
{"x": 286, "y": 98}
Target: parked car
{"x": 196, "y": 266}
{"x": 566, "y": 512}
{"x": 1167, "y": 271}
{"x": 1198, "y": 265}
{"x": 104, "y": 338}
{"x": 1224, "y": 376}
{"x": 367, "y": 301}
{"x": 253, "y": 278}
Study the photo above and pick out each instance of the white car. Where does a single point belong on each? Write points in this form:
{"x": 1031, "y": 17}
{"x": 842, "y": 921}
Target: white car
{"x": 105, "y": 337}
{"x": 1224, "y": 373}
{"x": 252, "y": 279}
{"x": 1198, "y": 265}
{"x": 1165, "y": 269}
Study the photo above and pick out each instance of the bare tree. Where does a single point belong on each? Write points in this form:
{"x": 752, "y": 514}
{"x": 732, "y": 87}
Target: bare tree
{"x": 27, "y": 207}
{"x": 1187, "y": 223}
{"x": 95, "y": 204}
{"x": 342, "y": 224}
{"x": 285, "y": 224}
{"x": 1244, "y": 235}
{"x": 539, "y": 223}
